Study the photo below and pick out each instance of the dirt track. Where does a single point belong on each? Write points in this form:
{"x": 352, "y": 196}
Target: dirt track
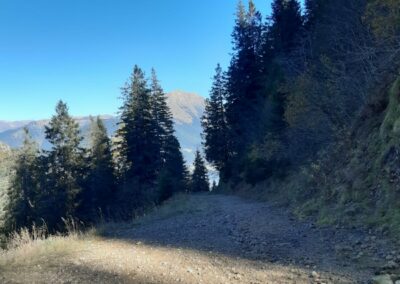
{"x": 215, "y": 239}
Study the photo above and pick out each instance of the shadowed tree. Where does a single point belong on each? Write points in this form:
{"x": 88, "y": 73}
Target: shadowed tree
{"x": 65, "y": 168}
{"x": 215, "y": 130}
{"x": 97, "y": 198}
{"x": 172, "y": 173}
{"x": 22, "y": 194}
{"x": 199, "y": 180}
{"x": 139, "y": 142}
{"x": 244, "y": 73}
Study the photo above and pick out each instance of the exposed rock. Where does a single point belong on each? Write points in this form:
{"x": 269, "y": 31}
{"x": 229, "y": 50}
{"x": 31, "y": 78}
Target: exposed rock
{"x": 314, "y": 274}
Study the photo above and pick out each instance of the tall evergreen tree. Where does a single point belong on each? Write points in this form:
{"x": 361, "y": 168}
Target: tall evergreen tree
{"x": 173, "y": 176}
{"x": 66, "y": 170}
{"x": 162, "y": 115}
{"x": 173, "y": 173}
{"x": 101, "y": 183}
{"x": 286, "y": 25}
{"x": 199, "y": 180}
{"x": 215, "y": 130}
{"x": 311, "y": 7}
{"x": 244, "y": 73}
{"x": 22, "y": 194}
{"x": 139, "y": 139}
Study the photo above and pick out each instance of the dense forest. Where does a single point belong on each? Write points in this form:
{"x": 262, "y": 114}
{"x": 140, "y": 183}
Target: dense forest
{"x": 307, "y": 111}
{"x": 114, "y": 178}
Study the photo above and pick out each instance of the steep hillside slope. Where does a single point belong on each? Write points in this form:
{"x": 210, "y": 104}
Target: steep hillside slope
{"x": 365, "y": 182}
{"x": 356, "y": 181}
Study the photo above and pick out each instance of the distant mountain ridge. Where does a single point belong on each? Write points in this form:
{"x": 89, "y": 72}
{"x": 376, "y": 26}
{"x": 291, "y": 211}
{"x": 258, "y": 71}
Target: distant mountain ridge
{"x": 187, "y": 109}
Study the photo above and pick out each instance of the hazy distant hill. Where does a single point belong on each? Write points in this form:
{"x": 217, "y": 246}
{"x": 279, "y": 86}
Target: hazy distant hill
{"x": 187, "y": 109}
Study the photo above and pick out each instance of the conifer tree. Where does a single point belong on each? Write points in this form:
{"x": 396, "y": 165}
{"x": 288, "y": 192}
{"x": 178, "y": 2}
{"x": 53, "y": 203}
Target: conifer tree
{"x": 245, "y": 71}
{"x": 311, "y": 7}
{"x": 138, "y": 139}
{"x": 199, "y": 180}
{"x": 162, "y": 115}
{"x": 173, "y": 176}
{"x": 66, "y": 170}
{"x": 22, "y": 194}
{"x": 286, "y": 26}
{"x": 100, "y": 189}
{"x": 173, "y": 172}
{"x": 215, "y": 130}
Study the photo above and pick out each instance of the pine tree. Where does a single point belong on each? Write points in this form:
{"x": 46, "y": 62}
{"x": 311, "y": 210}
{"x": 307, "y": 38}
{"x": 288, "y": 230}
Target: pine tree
{"x": 100, "y": 189}
{"x": 173, "y": 177}
{"x": 244, "y": 77}
{"x": 138, "y": 139}
{"x": 286, "y": 26}
{"x": 66, "y": 170}
{"x": 173, "y": 172}
{"x": 311, "y": 7}
{"x": 199, "y": 179}
{"x": 215, "y": 130}
{"x": 22, "y": 194}
{"x": 162, "y": 115}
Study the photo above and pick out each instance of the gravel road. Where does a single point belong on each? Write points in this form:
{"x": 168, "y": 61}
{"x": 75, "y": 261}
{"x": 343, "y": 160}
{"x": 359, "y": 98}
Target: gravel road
{"x": 216, "y": 239}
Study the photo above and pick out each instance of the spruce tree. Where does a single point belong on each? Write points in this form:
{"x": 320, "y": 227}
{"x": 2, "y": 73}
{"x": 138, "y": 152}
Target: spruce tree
{"x": 66, "y": 169}
{"x": 311, "y": 7}
{"x": 199, "y": 180}
{"x": 22, "y": 194}
{"x": 173, "y": 173}
{"x": 173, "y": 177}
{"x": 100, "y": 189}
{"x": 138, "y": 139}
{"x": 286, "y": 25}
{"x": 161, "y": 114}
{"x": 245, "y": 71}
{"x": 215, "y": 130}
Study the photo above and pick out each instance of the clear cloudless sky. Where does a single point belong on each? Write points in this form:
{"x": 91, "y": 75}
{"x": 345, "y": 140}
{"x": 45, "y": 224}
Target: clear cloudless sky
{"x": 83, "y": 51}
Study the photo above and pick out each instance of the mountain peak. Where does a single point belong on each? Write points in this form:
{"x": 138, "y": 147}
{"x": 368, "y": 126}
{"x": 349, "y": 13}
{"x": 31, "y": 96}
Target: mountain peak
{"x": 185, "y": 106}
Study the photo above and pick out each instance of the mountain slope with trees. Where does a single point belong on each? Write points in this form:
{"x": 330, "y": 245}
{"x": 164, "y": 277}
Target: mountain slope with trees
{"x": 69, "y": 185}
{"x": 306, "y": 115}
{"x": 309, "y": 108}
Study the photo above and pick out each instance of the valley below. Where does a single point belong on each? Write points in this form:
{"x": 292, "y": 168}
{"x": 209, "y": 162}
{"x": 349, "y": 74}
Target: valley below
{"x": 204, "y": 238}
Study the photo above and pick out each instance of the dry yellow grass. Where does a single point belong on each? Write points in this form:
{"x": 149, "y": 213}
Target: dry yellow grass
{"x": 90, "y": 259}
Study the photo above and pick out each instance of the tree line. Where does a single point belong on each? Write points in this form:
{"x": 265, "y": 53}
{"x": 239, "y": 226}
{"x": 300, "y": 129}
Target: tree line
{"x": 296, "y": 83}
{"x": 112, "y": 178}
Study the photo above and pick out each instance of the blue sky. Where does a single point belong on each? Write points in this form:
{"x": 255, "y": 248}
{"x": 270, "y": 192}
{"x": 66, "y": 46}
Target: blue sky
{"x": 83, "y": 51}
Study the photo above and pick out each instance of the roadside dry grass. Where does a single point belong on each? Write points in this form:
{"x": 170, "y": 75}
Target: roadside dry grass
{"x": 95, "y": 260}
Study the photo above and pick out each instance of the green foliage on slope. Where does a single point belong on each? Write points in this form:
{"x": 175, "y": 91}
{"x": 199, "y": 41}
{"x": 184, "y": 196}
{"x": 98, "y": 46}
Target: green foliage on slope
{"x": 354, "y": 182}
{"x": 317, "y": 125}
{"x": 5, "y": 173}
